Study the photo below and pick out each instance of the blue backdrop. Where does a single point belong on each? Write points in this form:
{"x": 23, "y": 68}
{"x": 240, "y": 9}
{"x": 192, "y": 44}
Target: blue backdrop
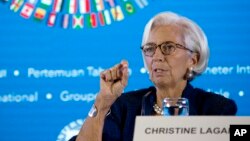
{"x": 49, "y": 75}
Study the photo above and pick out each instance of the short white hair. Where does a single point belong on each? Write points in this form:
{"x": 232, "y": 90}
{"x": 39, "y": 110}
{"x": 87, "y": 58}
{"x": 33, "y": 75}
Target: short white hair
{"x": 194, "y": 37}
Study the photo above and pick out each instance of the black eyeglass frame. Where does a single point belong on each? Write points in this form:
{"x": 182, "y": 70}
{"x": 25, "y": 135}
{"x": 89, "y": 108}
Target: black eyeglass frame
{"x": 160, "y": 46}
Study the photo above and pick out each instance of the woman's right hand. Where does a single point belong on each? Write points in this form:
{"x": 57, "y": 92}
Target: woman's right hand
{"x": 112, "y": 83}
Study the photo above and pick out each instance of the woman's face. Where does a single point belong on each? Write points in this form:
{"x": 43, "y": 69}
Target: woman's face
{"x": 167, "y": 70}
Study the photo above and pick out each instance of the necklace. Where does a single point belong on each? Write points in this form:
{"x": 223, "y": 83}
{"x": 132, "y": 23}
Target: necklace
{"x": 157, "y": 109}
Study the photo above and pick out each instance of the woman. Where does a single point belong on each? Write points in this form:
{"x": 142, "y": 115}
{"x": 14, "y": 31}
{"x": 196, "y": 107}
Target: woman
{"x": 175, "y": 50}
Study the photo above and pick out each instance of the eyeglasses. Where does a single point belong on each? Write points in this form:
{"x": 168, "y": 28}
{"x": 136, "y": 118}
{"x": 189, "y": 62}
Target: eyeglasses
{"x": 167, "y": 48}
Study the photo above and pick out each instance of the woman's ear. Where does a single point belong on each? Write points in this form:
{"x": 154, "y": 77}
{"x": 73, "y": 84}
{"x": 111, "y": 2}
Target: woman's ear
{"x": 194, "y": 59}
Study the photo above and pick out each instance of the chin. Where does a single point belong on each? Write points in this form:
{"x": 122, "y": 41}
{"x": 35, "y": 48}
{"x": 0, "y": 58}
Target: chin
{"x": 161, "y": 83}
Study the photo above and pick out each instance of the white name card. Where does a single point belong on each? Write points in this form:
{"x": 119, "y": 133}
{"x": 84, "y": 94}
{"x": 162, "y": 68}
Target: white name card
{"x": 189, "y": 128}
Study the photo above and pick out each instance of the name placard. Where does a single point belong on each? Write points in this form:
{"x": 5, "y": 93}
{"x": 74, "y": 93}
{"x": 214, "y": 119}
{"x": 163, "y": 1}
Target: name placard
{"x": 189, "y": 128}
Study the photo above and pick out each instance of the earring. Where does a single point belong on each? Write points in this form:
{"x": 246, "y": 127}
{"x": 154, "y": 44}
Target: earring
{"x": 190, "y": 73}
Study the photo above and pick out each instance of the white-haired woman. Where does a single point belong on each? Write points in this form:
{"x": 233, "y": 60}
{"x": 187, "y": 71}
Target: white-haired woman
{"x": 174, "y": 50}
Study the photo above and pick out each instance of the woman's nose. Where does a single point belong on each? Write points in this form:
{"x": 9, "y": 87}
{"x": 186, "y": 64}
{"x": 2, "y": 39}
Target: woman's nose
{"x": 158, "y": 56}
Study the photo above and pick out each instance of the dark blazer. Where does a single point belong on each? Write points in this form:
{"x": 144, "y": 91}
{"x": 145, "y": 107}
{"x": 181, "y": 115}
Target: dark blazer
{"x": 119, "y": 124}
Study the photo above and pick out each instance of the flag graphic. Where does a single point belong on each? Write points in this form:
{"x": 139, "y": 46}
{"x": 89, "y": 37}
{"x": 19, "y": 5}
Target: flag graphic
{"x": 91, "y": 20}
{"x": 65, "y": 21}
{"x": 57, "y": 5}
{"x": 104, "y": 17}
{"x": 117, "y": 13}
{"x": 101, "y": 18}
{"x": 91, "y": 12}
{"x": 27, "y": 10}
{"x": 51, "y": 19}
{"x": 72, "y": 5}
{"x": 39, "y": 14}
{"x": 46, "y": 3}
{"x": 32, "y": 1}
{"x": 141, "y": 3}
{"x": 99, "y": 5}
{"x": 84, "y": 6}
{"x": 129, "y": 8}
{"x": 111, "y": 3}
{"x": 41, "y": 10}
{"x": 107, "y": 17}
{"x": 77, "y": 21}
{"x": 16, "y": 4}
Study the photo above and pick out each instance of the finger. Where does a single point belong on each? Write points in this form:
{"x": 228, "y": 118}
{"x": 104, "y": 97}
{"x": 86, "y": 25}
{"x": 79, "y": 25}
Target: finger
{"x": 124, "y": 79}
{"x": 121, "y": 66}
{"x": 106, "y": 75}
{"x": 114, "y": 73}
{"x": 119, "y": 71}
{"x": 124, "y": 63}
{"x": 102, "y": 75}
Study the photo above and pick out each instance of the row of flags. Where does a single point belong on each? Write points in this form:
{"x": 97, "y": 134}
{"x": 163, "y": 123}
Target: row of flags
{"x": 76, "y": 14}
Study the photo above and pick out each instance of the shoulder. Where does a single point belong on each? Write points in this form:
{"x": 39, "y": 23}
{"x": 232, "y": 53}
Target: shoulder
{"x": 210, "y": 96}
{"x": 215, "y": 104}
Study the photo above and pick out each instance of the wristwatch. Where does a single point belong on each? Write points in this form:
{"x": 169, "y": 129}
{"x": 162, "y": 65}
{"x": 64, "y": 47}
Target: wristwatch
{"x": 93, "y": 111}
